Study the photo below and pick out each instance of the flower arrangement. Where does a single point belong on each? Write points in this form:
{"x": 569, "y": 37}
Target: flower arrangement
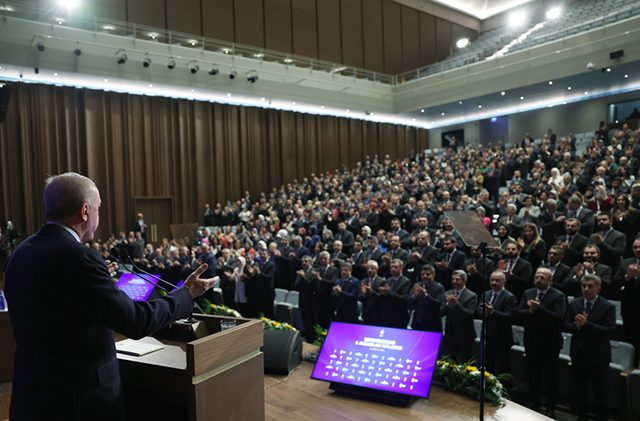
{"x": 464, "y": 379}
{"x": 220, "y": 310}
{"x": 321, "y": 335}
{"x": 273, "y": 325}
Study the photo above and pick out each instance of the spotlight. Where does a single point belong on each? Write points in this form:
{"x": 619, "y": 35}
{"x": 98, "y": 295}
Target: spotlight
{"x": 147, "y": 61}
{"x": 36, "y": 70}
{"x": 122, "y": 57}
{"x": 233, "y": 73}
{"x": 40, "y": 46}
{"x": 214, "y": 70}
{"x": 463, "y": 42}
{"x": 171, "y": 63}
{"x": 253, "y": 77}
{"x": 193, "y": 67}
{"x": 77, "y": 51}
{"x": 554, "y": 13}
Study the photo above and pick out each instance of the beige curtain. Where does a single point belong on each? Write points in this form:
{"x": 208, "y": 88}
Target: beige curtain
{"x": 195, "y": 152}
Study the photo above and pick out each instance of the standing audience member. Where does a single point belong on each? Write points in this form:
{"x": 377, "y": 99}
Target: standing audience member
{"x": 459, "y": 308}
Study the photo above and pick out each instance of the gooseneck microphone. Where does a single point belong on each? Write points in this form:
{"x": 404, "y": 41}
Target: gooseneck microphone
{"x": 128, "y": 257}
{"x": 118, "y": 254}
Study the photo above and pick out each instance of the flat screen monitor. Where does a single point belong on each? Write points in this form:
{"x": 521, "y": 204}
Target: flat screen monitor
{"x": 381, "y": 358}
{"x": 136, "y": 288}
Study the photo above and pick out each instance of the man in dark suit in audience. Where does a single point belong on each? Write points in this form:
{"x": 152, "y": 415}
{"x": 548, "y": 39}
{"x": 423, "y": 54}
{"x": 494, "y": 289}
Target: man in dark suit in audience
{"x": 371, "y": 297}
{"x": 403, "y": 235}
{"x": 345, "y": 296}
{"x": 372, "y": 252}
{"x": 356, "y": 259}
{"x": 450, "y": 259}
{"x": 584, "y": 215}
{"x": 422, "y": 254}
{"x": 426, "y": 299}
{"x": 307, "y": 285}
{"x": 572, "y": 243}
{"x": 511, "y": 219}
{"x": 541, "y": 312}
{"x": 611, "y": 243}
{"x": 395, "y": 252}
{"x": 517, "y": 270}
{"x": 591, "y": 320}
{"x": 628, "y": 275}
{"x": 325, "y": 275}
{"x": 460, "y": 308}
{"x": 265, "y": 279}
{"x": 590, "y": 265}
{"x": 395, "y": 296}
{"x": 559, "y": 270}
{"x": 65, "y": 361}
{"x": 499, "y": 306}
{"x": 346, "y": 237}
{"x": 552, "y": 222}
{"x": 476, "y": 271}
{"x": 337, "y": 256}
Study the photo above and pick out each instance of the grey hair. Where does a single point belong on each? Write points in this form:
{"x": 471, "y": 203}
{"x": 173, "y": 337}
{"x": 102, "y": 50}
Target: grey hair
{"x": 64, "y": 195}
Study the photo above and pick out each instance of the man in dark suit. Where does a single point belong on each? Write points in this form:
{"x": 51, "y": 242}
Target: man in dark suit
{"x": 476, "y": 271}
{"x": 395, "y": 252}
{"x": 298, "y": 251}
{"x": 65, "y": 361}
{"x": 559, "y": 270}
{"x": 628, "y": 275}
{"x": 572, "y": 243}
{"x": 356, "y": 259}
{"x": 611, "y": 243}
{"x": 450, "y": 259}
{"x": 425, "y": 300}
{"x": 591, "y": 320}
{"x": 499, "y": 306}
{"x": 346, "y": 237}
{"x": 140, "y": 226}
{"x": 325, "y": 276}
{"x": 337, "y": 256}
{"x": 307, "y": 285}
{"x": 585, "y": 216}
{"x": 403, "y": 235}
{"x": 371, "y": 297}
{"x": 460, "y": 308}
{"x": 421, "y": 255}
{"x": 512, "y": 220}
{"x": 517, "y": 270}
{"x": 395, "y": 296}
{"x": 552, "y": 222}
{"x": 285, "y": 275}
{"x": 264, "y": 282}
{"x": 346, "y": 292}
{"x": 372, "y": 252}
{"x": 590, "y": 265}
{"x": 541, "y": 312}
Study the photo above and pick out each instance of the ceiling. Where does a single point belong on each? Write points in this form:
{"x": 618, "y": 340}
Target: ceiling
{"x": 481, "y": 9}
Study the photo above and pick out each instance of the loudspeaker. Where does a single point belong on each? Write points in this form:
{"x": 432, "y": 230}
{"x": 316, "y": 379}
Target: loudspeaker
{"x": 616, "y": 54}
{"x": 5, "y": 95}
{"x": 282, "y": 351}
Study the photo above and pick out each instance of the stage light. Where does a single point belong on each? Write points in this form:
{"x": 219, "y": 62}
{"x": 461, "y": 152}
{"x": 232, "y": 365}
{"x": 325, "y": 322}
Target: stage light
{"x": 40, "y": 46}
{"x": 77, "y": 51}
{"x": 147, "y": 61}
{"x": 233, "y": 73}
{"x": 193, "y": 67}
{"x": 171, "y": 63}
{"x": 517, "y": 19}
{"x": 214, "y": 70}
{"x": 122, "y": 57}
{"x": 252, "y": 77}
{"x": 554, "y": 13}
{"x": 461, "y": 43}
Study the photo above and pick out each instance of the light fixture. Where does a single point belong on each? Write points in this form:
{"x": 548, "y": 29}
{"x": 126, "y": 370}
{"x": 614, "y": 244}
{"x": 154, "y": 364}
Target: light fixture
{"x": 462, "y": 42}
{"x": 193, "y": 67}
{"x": 147, "y": 61}
{"x": 554, "y": 13}
{"x": 521, "y": 98}
{"x": 252, "y": 77}
{"x": 422, "y": 110}
{"x": 214, "y": 70}
{"x": 442, "y": 114}
{"x": 517, "y": 19}
{"x": 40, "y": 46}
{"x": 121, "y": 56}
{"x": 68, "y": 3}
{"x": 479, "y": 106}
{"x": 263, "y": 99}
{"x": 626, "y": 76}
{"x": 171, "y": 63}
{"x": 568, "y": 88}
{"x": 233, "y": 73}
{"x": 460, "y": 102}
{"x": 550, "y": 82}
{"x": 503, "y": 93}
{"x": 608, "y": 69}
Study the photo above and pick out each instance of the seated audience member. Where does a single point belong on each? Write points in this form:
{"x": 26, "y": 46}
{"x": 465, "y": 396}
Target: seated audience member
{"x": 459, "y": 308}
{"x": 513, "y": 221}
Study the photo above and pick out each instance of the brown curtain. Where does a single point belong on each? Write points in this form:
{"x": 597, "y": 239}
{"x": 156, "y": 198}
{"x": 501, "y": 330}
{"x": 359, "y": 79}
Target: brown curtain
{"x": 195, "y": 152}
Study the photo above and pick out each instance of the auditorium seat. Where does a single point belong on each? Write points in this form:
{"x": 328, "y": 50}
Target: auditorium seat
{"x": 622, "y": 355}
{"x": 633, "y": 392}
{"x": 281, "y": 295}
{"x": 293, "y": 298}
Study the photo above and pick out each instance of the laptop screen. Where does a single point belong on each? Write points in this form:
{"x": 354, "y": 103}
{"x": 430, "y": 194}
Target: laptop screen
{"x": 136, "y": 288}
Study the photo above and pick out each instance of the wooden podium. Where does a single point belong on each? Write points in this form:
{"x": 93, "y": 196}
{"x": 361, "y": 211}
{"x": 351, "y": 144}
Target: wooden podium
{"x": 218, "y": 376}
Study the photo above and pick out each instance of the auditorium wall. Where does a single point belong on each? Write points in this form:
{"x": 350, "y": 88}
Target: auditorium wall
{"x": 194, "y": 152}
{"x": 378, "y": 35}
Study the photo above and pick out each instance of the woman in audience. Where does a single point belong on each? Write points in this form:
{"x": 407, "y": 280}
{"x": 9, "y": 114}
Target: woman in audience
{"x": 601, "y": 202}
{"x": 625, "y": 220}
{"x": 534, "y": 248}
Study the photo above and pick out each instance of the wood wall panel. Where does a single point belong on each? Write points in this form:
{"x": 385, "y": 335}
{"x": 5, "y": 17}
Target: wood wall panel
{"x": 184, "y": 16}
{"x": 329, "y": 37}
{"x": 147, "y": 12}
{"x": 249, "y": 21}
{"x": 372, "y": 35}
{"x": 427, "y": 39}
{"x": 410, "y": 38}
{"x": 392, "y": 37}
{"x": 443, "y": 39}
{"x": 352, "y": 39}
{"x": 109, "y": 9}
{"x": 218, "y": 20}
{"x": 305, "y": 28}
{"x": 277, "y": 25}
{"x": 457, "y": 33}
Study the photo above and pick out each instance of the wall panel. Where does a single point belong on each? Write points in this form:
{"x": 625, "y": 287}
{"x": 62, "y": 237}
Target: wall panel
{"x": 218, "y": 20}
{"x": 352, "y": 39}
{"x": 410, "y": 38}
{"x": 392, "y": 30}
{"x": 277, "y": 25}
{"x": 109, "y": 9}
{"x": 305, "y": 28}
{"x": 147, "y": 12}
{"x": 443, "y": 39}
{"x": 329, "y": 46}
{"x": 184, "y": 16}
{"x": 249, "y": 21}
{"x": 372, "y": 35}
{"x": 427, "y": 39}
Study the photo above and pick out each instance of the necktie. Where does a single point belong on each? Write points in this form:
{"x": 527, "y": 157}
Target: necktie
{"x": 494, "y": 297}
{"x": 393, "y": 254}
{"x": 509, "y": 265}
{"x": 393, "y": 283}
{"x": 570, "y": 239}
{"x": 587, "y": 307}
{"x": 322, "y": 272}
{"x": 449, "y": 258}
{"x": 457, "y": 293}
{"x": 540, "y": 296}
{"x": 370, "y": 282}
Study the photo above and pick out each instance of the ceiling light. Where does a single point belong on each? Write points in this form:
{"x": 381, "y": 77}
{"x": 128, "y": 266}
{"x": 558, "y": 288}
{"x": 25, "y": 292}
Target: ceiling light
{"x": 626, "y": 76}
{"x": 517, "y": 19}
{"x": 121, "y": 56}
{"x": 106, "y": 80}
{"x": 442, "y": 114}
{"x": 193, "y": 67}
{"x": 147, "y": 61}
{"x": 422, "y": 110}
{"x": 550, "y": 82}
{"x": 322, "y": 106}
{"x": 521, "y": 98}
{"x": 68, "y": 3}
{"x": 55, "y": 74}
{"x": 151, "y": 85}
{"x": 608, "y": 69}
{"x": 479, "y": 106}
{"x": 233, "y": 73}
{"x": 229, "y": 95}
{"x": 153, "y": 36}
{"x": 413, "y": 119}
{"x": 171, "y": 63}
{"x": 263, "y": 99}
{"x": 252, "y": 77}
{"x": 226, "y": 50}
{"x": 554, "y": 13}
{"x": 460, "y": 102}
{"x": 463, "y": 42}
{"x": 586, "y": 92}
{"x": 293, "y": 103}
{"x": 503, "y": 93}
{"x": 214, "y": 70}
{"x": 348, "y": 110}
{"x": 568, "y": 88}
{"x": 288, "y": 60}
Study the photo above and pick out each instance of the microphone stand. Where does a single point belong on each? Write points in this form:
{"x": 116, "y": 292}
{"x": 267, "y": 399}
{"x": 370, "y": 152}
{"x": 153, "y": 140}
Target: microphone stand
{"x": 483, "y": 338}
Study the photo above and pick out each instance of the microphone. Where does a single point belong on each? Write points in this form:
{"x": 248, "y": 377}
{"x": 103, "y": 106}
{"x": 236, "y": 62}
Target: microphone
{"x": 118, "y": 254}
{"x": 128, "y": 256}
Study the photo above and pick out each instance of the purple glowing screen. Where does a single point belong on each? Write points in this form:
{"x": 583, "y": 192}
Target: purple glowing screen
{"x": 393, "y": 360}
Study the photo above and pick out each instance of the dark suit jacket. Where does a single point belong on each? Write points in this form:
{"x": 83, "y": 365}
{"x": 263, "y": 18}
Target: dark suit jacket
{"x": 347, "y": 241}
{"x": 499, "y": 333}
{"x": 572, "y": 283}
{"x": 376, "y": 255}
{"x": 630, "y": 287}
{"x": 517, "y": 224}
{"x": 265, "y": 280}
{"x": 346, "y": 303}
{"x": 395, "y": 305}
{"x": 551, "y": 229}
{"x": 611, "y": 249}
{"x": 429, "y": 256}
{"x": 560, "y": 275}
{"x": 543, "y": 328}
{"x": 457, "y": 262}
{"x": 587, "y": 221}
{"x": 372, "y": 303}
{"x": 520, "y": 279}
{"x": 591, "y": 343}
{"x": 476, "y": 282}
{"x": 573, "y": 255}
{"x": 426, "y": 309}
{"x": 459, "y": 331}
{"x": 65, "y": 354}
